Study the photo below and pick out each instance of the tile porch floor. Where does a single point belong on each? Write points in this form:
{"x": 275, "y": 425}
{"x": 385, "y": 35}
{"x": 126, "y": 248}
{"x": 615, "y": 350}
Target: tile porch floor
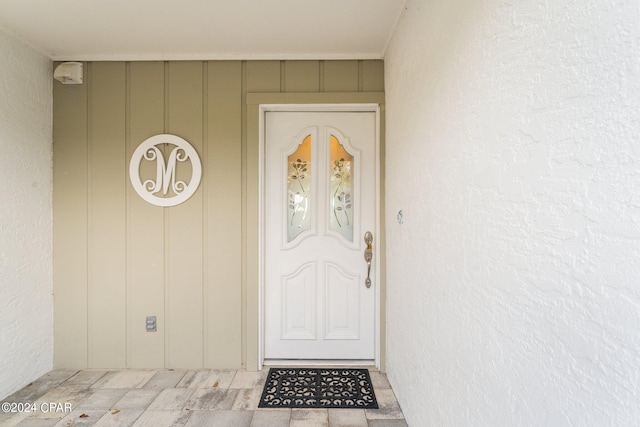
{"x": 157, "y": 398}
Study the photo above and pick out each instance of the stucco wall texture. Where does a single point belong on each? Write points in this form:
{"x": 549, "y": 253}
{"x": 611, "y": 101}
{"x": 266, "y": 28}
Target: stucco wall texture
{"x": 513, "y": 150}
{"x": 26, "y": 284}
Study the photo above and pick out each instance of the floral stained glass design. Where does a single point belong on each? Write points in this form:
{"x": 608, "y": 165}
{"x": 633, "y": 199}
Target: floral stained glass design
{"x": 341, "y": 205}
{"x": 299, "y": 190}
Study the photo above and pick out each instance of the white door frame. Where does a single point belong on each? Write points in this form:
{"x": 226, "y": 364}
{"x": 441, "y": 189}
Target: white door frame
{"x": 263, "y": 109}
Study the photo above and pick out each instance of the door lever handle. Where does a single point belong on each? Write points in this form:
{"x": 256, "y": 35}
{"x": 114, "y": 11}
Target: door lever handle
{"x": 368, "y": 256}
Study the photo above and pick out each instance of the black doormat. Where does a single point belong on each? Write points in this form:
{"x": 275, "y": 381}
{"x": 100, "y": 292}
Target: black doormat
{"x": 318, "y": 388}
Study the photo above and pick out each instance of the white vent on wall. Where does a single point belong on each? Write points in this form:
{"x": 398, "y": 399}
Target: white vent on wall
{"x": 69, "y": 73}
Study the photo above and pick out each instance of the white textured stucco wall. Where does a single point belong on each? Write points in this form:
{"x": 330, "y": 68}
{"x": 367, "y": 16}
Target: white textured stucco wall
{"x": 26, "y": 283}
{"x": 513, "y": 148}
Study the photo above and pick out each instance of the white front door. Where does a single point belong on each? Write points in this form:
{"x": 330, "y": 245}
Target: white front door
{"x": 320, "y": 200}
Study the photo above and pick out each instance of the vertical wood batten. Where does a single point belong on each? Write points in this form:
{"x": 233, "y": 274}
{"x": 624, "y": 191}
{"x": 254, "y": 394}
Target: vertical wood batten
{"x": 263, "y": 76}
{"x": 383, "y": 240}
{"x": 223, "y": 334}
{"x": 145, "y": 223}
{"x": 184, "y": 234}
{"x": 302, "y": 76}
{"x": 263, "y": 81}
{"x": 106, "y": 247}
{"x": 372, "y": 76}
{"x": 204, "y": 186}
{"x": 70, "y": 225}
{"x": 340, "y": 76}
{"x": 243, "y": 225}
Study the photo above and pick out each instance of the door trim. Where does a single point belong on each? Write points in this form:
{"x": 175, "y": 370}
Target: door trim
{"x": 349, "y": 107}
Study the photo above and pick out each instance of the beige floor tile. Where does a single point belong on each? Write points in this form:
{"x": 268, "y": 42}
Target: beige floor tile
{"x": 245, "y": 379}
{"x": 38, "y": 422}
{"x": 206, "y": 379}
{"x": 388, "y": 406}
{"x": 271, "y": 418}
{"x": 379, "y": 380}
{"x": 247, "y": 399}
{"x": 195, "y": 379}
{"x": 387, "y": 423}
{"x": 81, "y": 417}
{"x": 171, "y": 399}
{"x": 221, "y": 418}
{"x": 225, "y": 378}
{"x": 103, "y": 398}
{"x": 41, "y": 386}
{"x": 162, "y": 419}
{"x": 12, "y": 419}
{"x": 165, "y": 379}
{"x": 4, "y": 416}
{"x": 309, "y": 418}
{"x": 85, "y": 378}
{"x": 58, "y": 401}
{"x": 347, "y": 418}
{"x": 104, "y": 379}
{"x": 127, "y": 379}
{"x": 117, "y": 418}
{"x": 212, "y": 398}
{"x": 137, "y": 399}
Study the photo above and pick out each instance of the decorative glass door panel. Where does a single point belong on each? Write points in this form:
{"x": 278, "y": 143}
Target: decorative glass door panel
{"x": 299, "y": 190}
{"x": 341, "y": 184}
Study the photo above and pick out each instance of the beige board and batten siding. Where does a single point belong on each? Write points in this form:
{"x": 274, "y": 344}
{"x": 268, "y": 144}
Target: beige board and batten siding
{"x": 118, "y": 259}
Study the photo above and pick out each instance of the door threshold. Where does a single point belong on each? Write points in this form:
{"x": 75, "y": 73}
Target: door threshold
{"x": 318, "y": 363}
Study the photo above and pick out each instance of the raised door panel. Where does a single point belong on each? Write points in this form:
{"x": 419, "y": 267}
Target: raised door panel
{"x": 299, "y": 304}
{"x": 342, "y": 304}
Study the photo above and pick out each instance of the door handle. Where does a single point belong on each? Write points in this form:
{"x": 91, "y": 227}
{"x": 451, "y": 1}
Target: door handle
{"x": 368, "y": 256}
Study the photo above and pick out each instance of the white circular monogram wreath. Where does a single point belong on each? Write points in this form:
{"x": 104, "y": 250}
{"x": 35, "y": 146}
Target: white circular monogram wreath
{"x": 155, "y": 191}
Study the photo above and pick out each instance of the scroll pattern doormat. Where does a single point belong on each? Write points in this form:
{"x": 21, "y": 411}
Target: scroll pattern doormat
{"x": 318, "y": 388}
